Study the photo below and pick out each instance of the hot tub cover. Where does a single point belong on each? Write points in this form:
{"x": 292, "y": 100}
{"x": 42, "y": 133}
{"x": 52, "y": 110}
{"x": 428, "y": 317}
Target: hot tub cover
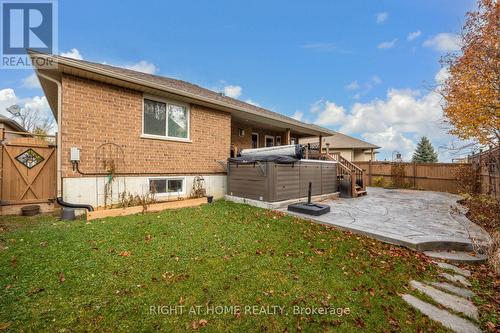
{"x": 279, "y": 159}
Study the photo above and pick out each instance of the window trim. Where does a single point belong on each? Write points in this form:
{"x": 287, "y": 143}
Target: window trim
{"x": 258, "y": 139}
{"x": 167, "y": 194}
{"x": 167, "y": 102}
{"x": 270, "y": 137}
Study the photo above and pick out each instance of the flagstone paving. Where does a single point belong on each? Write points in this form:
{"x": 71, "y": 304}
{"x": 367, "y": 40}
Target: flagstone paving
{"x": 452, "y": 301}
{"x": 453, "y": 289}
{"x": 420, "y": 220}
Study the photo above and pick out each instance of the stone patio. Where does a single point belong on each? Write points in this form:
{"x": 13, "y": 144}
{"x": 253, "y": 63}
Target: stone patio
{"x": 420, "y": 220}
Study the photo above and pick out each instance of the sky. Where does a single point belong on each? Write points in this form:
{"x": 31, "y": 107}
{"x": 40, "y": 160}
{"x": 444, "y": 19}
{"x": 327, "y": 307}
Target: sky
{"x": 365, "y": 68}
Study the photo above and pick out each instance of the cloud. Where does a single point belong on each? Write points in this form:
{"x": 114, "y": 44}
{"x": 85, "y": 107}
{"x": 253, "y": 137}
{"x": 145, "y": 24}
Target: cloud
{"x": 8, "y": 98}
{"x": 298, "y": 115}
{"x": 73, "y": 53}
{"x": 444, "y": 42}
{"x": 381, "y": 17}
{"x": 249, "y": 101}
{"x": 363, "y": 88}
{"x": 232, "y": 91}
{"x": 143, "y": 66}
{"x": 330, "y": 114}
{"x": 413, "y": 35}
{"x": 354, "y": 85}
{"x": 395, "y": 122}
{"x": 31, "y": 81}
{"x": 442, "y": 75}
{"x": 387, "y": 45}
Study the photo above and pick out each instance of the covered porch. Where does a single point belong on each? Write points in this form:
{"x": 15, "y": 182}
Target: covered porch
{"x": 252, "y": 132}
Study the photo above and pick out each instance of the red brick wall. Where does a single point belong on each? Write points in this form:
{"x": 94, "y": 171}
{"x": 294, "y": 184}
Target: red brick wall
{"x": 94, "y": 113}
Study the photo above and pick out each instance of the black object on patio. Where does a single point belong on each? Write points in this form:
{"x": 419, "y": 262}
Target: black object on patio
{"x": 309, "y": 208}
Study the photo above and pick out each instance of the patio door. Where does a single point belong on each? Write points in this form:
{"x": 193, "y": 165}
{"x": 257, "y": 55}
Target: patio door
{"x": 269, "y": 141}
{"x": 255, "y": 140}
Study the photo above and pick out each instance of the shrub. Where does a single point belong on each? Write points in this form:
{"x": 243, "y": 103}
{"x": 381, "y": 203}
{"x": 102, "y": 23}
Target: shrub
{"x": 484, "y": 210}
{"x": 379, "y": 181}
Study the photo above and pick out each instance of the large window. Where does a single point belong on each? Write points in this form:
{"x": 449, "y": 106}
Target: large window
{"x": 166, "y": 185}
{"x": 165, "y": 119}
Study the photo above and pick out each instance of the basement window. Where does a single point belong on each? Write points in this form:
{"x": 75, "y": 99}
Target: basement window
{"x": 241, "y": 132}
{"x": 164, "y": 119}
{"x": 167, "y": 185}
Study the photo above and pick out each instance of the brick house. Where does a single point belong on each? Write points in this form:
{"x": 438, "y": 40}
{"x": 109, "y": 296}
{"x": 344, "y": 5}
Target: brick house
{"x": 158, "y": 132}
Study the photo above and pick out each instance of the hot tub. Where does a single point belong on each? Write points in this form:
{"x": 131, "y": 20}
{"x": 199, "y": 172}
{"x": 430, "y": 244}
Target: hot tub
{"x": 271, "y": 181}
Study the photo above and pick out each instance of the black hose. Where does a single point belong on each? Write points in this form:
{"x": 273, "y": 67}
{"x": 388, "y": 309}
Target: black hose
{"x": 61, "y": 202}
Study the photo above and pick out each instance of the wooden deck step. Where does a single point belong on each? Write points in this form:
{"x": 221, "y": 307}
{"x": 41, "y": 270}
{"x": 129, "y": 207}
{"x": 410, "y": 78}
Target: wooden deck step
{"x": 360, "y": 193}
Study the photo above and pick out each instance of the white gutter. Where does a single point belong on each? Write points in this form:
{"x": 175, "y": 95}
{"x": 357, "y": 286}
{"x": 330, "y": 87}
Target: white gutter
{"x": 59, "y": 142}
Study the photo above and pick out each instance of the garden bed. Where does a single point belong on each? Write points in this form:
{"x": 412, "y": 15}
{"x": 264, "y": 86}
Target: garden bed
{"x": 155, "y": 207}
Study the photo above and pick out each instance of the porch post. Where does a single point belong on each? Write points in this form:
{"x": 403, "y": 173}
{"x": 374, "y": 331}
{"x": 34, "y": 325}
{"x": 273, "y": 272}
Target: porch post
{"x": 320, "y": 144}
{"x": 287, "y": 136}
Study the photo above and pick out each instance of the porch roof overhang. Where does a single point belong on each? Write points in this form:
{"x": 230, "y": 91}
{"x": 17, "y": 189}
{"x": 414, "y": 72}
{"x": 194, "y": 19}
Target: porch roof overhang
{"x": 166, "y": 87}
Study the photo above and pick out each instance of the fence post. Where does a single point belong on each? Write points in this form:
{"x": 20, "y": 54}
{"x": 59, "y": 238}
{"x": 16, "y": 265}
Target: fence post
{"x": 480, "y": 171}
{"x": 370, "y": 173}
{"x": 353, "y": 183}
{"x": 414, "y": 175}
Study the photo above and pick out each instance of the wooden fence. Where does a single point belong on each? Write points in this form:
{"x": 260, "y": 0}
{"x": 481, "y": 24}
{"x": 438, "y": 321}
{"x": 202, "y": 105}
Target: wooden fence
{"x": 487, "y": 164}
{"x": 424, "y": 176}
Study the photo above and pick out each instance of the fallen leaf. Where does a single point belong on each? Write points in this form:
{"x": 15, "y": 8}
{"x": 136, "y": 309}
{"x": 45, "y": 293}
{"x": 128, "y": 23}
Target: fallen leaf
{"x": 124, "y": 254}
{"x": 202, "y": 322}
{"x": 148, "y": 238}
{"x": 4, "y": 326}
{"x": 61, "y": 277}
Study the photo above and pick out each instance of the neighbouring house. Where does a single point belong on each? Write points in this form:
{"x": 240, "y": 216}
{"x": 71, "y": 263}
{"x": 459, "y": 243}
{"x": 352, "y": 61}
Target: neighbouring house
{"x": 121, "y": 130}
{"x": 10, "y": 128}
{"x": 352, "y": 149}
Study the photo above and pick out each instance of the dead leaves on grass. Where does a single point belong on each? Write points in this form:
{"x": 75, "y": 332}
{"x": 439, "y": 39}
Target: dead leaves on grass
{"x": 200, "y": 323}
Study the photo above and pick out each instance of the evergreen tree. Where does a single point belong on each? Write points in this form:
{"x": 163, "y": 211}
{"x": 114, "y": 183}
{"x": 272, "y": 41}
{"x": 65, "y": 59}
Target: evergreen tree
{"x": 425, "y": 152}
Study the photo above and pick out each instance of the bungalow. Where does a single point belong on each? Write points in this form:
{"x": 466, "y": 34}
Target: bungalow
{"x": 121, "y": 130}
{"x": 352, "y": 149}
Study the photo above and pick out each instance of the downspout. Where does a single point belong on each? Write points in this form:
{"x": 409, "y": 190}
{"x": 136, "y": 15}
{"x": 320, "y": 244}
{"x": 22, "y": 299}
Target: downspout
{"x": 59, "y": 122}
{"x": 60, "y": 200}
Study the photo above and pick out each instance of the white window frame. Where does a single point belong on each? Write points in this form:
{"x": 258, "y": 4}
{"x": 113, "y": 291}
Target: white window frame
{"x": 276, "y": 140}
{"x": 258, "y": 138}
{"x": 167, "y": 102}
{"x": 270, "y": 137}
{"x": 167, "y": 194}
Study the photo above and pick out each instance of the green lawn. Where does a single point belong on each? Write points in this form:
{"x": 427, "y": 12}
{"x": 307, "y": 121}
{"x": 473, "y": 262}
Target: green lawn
{"x": 109, "y": 274}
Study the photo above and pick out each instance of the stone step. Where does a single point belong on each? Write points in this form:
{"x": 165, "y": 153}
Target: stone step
{"x": 448, "y": 320}
{"x": 462, "y": 292}
{"x": 457, "y": 256}
{"x": 456, "y": 278}
{"x": 450, "y": 301}
{"x": 458, "y": 270}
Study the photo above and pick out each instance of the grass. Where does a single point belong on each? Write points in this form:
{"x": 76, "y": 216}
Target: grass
{"x": 109, "y": 274}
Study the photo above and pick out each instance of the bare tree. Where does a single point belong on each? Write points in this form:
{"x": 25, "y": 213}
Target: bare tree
{"x": 32, "y": 120}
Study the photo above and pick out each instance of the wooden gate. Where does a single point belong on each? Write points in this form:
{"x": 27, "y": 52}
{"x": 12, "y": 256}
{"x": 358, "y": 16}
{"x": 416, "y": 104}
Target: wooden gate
{"x": 28, "y": 174}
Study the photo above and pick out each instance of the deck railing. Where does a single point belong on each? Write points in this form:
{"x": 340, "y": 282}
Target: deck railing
{"x": 345, "y": 170}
